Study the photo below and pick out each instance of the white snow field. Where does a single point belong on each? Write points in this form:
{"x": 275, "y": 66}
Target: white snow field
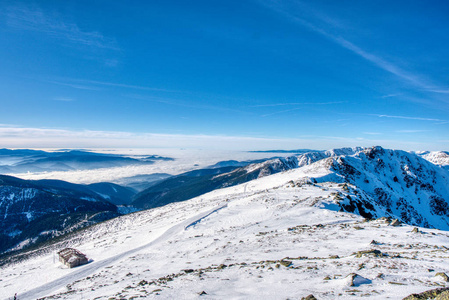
{"x": 277, "y": 237}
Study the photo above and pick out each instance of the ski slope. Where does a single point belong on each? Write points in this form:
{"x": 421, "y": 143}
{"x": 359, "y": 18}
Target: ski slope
{"x": 95, "y": 266}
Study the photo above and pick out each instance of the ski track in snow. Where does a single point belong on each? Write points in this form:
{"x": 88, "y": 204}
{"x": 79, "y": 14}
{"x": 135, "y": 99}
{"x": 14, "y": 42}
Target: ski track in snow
{"x": 199, "y": 220}
{"x": 90, "y": 268}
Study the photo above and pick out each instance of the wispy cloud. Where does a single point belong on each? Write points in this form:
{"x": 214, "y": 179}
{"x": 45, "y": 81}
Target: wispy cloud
{"x": 440, "y": 91}
{"x": 27, "y": 137}
{"x": 391, "y": 95}
{"x": 57, "y": 138}
{"x": 9, "y": 125}
{"x": 382, "y": 63}
{"x": 411, "y": 131}
{"x": 295, "y": 105}
{"x": 188, "y": 104}
{"x": 280, "y": 112}
{"x": 83, "y": 84}
{"x": 63, "y": 99}
{"x": 53, "y": 25}
{"x": 410, "y": 118}
{"x": 122, "y": 85}
{"x": 74, "y": 85}
{"x": 327, "y": 25}
{"x": 298, "y": 103}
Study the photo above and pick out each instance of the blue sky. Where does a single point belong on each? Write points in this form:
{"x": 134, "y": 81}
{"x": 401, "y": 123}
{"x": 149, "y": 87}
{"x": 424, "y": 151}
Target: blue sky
{"x": 249, "y": 74}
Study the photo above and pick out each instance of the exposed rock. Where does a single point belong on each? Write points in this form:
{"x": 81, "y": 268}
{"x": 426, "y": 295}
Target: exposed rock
{"x": 310, "y": 297}
{"x": 354, "y": 279}
{"x": 188, "y": 270}
{"x": 395, "y": 222}
{"x": 415, "y": 230}
{"x": 385, "y": 220}
{"x": 375, "y": 253}
{"x": 431, "y": 294}
{"x": 285, "y": 263}
{"x": 442, "y": 276}
{"x": 443, "y": 296}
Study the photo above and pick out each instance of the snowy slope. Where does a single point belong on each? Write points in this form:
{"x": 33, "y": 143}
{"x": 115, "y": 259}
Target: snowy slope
{"x": 280, "y": 236}
{"x": 276, "y": 165}
{"x": 196, "y": 183}
{"x": 393, "y": 183}
{"x": 440, "y": 158}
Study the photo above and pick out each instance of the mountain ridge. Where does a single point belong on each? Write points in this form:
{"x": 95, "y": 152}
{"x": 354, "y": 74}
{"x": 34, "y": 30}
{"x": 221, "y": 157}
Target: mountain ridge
{"x": 283, "y": 236}
{"x": 26, "y": 160}
{"x": 394, "y": 183}
{"x": 184, "y": 187}
{"x": 35, "y": 211}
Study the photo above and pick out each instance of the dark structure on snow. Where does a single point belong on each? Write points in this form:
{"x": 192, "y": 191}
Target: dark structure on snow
{"x": 72, "y": 257}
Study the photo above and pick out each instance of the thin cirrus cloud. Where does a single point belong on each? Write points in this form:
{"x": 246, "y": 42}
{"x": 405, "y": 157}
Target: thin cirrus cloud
{"x": 411, "y": 118}
{"x": 83, "y": 84}
{"x": 298, "y": 103}
{"x": 411, "y": 131}
{"x": 53, "y": 25}
{"x": 74, "y": 85}
{"x": 55, "y": 138}
{"x": 9, "y": 125}
{"x": 20, "y": 137}
{"x": 391, "y": 95}
{"x": 63, "y": 99}
{"x": 280, "y": 112}
{"x": 95, "y": 85}
{"x": 180, "y": 103}
{"x": 416, "y": 80}
{"x": 294, "y": 104}
{"x": 440, "y": 91}
{"x": 129, "y": 86}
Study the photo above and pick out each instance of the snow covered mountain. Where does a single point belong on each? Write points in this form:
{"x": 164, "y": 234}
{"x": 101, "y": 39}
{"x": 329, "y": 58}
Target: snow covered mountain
{"x": 195, "y": 183}
{"x": 440, "y": 158}
{"x": 392, "y": 183}
{"x": 280, "y": 236}
{"x": 325, "y": 228}
{"x": 35, "y": 211}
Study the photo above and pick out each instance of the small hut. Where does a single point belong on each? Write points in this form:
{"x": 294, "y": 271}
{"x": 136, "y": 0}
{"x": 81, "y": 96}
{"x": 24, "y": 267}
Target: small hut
{"x": 72, "y": 257}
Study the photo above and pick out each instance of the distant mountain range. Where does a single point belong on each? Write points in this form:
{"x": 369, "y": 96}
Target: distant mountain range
{"x": 22, "y": 161}
{"x": 377, "y": 182}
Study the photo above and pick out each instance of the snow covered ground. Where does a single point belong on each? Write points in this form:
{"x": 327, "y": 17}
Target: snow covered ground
{"x": 277, "y": 237}
{"x": 437, "y": 157}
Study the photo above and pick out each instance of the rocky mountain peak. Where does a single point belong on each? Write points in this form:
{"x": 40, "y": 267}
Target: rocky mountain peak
{"x": 395, "y": 183}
